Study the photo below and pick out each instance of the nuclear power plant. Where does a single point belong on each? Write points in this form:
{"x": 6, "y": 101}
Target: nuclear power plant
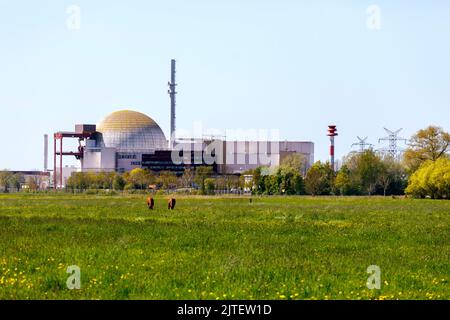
{"x": 127, "y": 139}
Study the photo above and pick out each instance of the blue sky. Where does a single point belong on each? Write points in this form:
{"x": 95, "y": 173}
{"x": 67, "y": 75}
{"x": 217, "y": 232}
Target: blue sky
{"x": 296, "y": 66}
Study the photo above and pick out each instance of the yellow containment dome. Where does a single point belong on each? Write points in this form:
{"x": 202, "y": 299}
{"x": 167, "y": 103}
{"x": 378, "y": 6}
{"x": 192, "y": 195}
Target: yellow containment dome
{"x": 131, "y": 131}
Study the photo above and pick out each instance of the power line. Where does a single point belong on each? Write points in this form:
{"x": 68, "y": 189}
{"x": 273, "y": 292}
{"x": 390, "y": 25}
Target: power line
{"x": 393, "y": 140}
{"x": 362, "y": 144}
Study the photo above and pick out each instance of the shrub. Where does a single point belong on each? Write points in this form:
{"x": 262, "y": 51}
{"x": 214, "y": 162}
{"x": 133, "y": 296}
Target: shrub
{"x": 91, "y": 191}
{"x": 210, "y": 186}
{"x": 432, "y": 180}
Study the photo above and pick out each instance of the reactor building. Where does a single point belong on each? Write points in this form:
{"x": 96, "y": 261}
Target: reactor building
{"x": 127, "y": 139}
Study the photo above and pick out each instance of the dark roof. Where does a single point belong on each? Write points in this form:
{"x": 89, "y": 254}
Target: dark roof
{"x": 32, "y": 173}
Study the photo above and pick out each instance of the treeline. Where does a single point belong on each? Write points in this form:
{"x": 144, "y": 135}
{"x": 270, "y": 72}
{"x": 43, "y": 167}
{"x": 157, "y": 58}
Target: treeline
{"x": 424, "y": 171}
{"x": 201, "y": 181}
{"x": 362, "y": 174}
{"x": 285, "y": 179}
{"x": 10, "y": 181}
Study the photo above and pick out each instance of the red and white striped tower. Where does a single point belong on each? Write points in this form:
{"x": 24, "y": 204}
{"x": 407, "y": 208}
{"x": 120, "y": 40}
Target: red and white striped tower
{"x": 332, "y": 132}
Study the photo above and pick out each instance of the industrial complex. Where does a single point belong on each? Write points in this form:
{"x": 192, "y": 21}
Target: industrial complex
{"x": 127, "y": 139}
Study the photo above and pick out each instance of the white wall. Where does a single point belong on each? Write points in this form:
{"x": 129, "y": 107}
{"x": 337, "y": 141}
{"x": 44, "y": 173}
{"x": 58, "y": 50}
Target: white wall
{"x": 99, "y": 159}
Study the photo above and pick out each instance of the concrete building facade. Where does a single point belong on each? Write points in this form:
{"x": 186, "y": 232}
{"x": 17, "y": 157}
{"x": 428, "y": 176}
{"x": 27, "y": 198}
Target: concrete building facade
{"x": 125, "y": 140}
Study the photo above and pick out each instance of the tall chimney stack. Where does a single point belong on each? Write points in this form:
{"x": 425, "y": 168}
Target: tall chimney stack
{"x": 332, "y": 132}
{"x": 45, "y": 152}
{"x": 172, "y": 93}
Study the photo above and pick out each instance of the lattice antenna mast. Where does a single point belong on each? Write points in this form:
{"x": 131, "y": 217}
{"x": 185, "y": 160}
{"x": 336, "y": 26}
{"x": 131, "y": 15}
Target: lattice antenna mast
{"x": 393, "y": 139}
{"x": 362, "y": 144}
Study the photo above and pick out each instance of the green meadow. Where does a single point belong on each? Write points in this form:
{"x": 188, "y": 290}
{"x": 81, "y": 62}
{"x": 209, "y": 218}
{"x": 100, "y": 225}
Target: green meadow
{"x": 223, "y": 247}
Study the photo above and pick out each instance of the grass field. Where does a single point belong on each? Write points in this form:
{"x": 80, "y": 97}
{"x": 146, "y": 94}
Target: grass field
{"x": 223, "y": 248}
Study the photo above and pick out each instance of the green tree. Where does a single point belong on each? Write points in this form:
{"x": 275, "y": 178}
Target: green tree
{"x": 79, "y": 181}
{"x": 187, "y": 178}
{"x": 201, "y": 174}
{"x": 221, "y": 183}
{"x": 298, "y": 184}
{"x": 441, "y": 178}
{"x": 319, "y": 179}
{"x": 93, "y": 180}
{"x": 291, "y": 181}
{"x": 129, "y": 186}
{"x": 295, "y": 162}
{"x": 139, "y": 178}
{"x": 291, "y": 169}
{"x": 432, "y": 180}
{"x": 16, "y": 181}
{"x": 105, "y": 179}
{"x": 167, "y": 180}
{"x": 118, "y": 182}
{"x": 209, "y": 186}
{"x": 391, "y": 176}
{"x": 5, "y": 178}
{"x": 431, "y": 143}
{"x": 343, "y": 182}
{"x": 271, "y": 184}
{"x": 257, "y": 180}
{"x": 366, "y": 168}
{"x": 33, "y": 183}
